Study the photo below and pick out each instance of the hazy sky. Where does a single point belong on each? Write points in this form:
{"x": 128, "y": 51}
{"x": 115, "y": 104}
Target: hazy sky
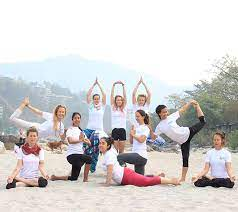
{"x": 173, "y": 40}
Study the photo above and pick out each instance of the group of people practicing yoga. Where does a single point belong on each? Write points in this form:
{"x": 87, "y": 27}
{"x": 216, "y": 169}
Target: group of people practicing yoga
{"x": 85, "y": 145}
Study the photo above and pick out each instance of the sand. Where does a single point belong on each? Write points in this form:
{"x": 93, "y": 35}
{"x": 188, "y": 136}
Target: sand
{"x": 91, "y": 196}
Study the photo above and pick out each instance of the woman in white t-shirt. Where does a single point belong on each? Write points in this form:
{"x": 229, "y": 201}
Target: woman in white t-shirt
{"x": 118, "y": 117}
{"x": 179, "y": 134}
{"x": 218, "y": 160}
{"x": 95, "y": 122}
{"x": 125, "y": 176}
{"x": 138, "y": 136}
{"x": 75, "y": 151}
{"x": 141, "y": 101}
{"x": 53, "y": 127}
{"x": 30, "y": 162}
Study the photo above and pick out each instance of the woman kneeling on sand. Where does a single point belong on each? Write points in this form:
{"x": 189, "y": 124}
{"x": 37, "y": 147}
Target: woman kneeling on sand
{"x": 75, "y": 151}
{"x": 123, "y": 175}
{"x": 219, "y": 160}
{"x": 30, "y": 162}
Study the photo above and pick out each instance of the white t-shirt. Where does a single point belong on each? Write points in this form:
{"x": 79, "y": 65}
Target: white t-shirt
{"x": 171, "y": 129}
{"x": 46, "y": 128}
{"x": 138, "y": 147}
{"x": 136, "y": 107}
{"x": 118, "y": 118}
{"x": 217, "y": 160}
{"x": 30, "y": 168}
{"x": 110, "y": 158}
{"x": 95, "y": 119}
{"x": 77, "y": 148}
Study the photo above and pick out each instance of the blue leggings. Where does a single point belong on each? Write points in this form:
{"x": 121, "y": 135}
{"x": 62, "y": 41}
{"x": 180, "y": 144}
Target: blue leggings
{"x": 92, "y": 150}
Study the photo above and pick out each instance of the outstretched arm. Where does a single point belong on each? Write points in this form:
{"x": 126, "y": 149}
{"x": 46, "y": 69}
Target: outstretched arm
{"x": 148, "y": 93}
{"x": 135, "y": 91}
{"x": 103, "y": 94}
{"x": 90, "y": 92}
{"x": 35, "y": 110}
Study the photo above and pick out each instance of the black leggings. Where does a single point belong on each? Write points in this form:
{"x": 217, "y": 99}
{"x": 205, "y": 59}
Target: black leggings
{"x": 185, "y": 147}
{"x": 216, "y": 182}
{"x": 133, "y": 158}
{"x": 77, "y": 161}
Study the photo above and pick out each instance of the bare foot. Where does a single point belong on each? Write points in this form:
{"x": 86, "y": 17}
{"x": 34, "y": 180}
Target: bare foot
{"x": 181, "y": 180}
{"x": 162, "y": 174}
{"x": 85, "y": 180}
{"x": 26, "y": 101}
{"x": 175, "y": 181}
{"x": 53, "y": 177}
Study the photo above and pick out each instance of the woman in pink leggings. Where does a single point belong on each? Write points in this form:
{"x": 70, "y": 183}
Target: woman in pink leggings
{"x": 126, "y": 176}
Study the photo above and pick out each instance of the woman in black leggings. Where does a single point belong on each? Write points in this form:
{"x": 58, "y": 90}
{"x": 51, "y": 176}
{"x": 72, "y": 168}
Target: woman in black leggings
{"x": 219, "y": 160}
{"x": 138, "y": 136}
{"x": 179, "y": 134}
{"x": 75, "y": 152}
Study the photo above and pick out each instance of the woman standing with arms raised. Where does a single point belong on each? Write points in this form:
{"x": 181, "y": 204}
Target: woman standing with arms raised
{"x": 118, "y": 117}
{"x": 95, "y": 122}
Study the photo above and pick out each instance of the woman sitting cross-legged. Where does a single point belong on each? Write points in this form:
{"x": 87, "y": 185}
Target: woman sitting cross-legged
{"x": 219, "y": 160}
{"x": 30, "y": 161}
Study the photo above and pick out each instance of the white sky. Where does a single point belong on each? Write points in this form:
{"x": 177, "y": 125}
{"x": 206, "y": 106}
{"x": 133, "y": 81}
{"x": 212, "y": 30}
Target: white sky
{"x": 173, "y": 40}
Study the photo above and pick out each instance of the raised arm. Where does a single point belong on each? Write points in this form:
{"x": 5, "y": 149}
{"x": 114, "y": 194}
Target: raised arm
{"x": 112, "y": 94}
{"x": 135, "y": 91}
{"x": 103, "y": 93}
{"x": 89, "y": 94}
{"x": 124, "y": 94}
{"x": 35, "y": 110}
{"x": 148, "y": 93}
{"x": 186, "y": 106}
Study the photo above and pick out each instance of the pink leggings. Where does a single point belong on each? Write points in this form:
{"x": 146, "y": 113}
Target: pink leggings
{"x": 132, "y": 178}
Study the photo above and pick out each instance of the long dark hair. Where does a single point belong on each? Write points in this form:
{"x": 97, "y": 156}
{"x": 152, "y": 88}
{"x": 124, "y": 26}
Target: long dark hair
{"x": 109, "y": 141}
{"x": 145, "y": 115}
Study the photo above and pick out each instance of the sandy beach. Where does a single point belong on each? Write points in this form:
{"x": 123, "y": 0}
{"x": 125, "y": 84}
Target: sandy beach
{"x": 91, "y": 196}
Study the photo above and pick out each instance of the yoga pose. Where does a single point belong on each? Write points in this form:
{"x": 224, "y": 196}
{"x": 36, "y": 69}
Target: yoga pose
{"x": 141, "y": 102}
{"x": 126, "y": 176}
{"x": 138, "y": 136}
{"x": 75, "y": 152}
{"x": 52, "y": 127}
{"x": 30, "y": 162}
{"x": 95, "y": 122}
{"x": 181, "y": 135}
{"x": 118, "y": 118}
{"x": 219, "y": 160}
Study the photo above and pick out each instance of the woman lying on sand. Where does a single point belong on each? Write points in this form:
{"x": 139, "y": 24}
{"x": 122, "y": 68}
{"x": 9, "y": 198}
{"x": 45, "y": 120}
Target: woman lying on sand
{"x": 126, "y": 176}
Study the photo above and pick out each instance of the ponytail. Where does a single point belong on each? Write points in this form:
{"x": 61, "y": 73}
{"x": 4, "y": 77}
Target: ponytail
{"x": 145, "y": 115}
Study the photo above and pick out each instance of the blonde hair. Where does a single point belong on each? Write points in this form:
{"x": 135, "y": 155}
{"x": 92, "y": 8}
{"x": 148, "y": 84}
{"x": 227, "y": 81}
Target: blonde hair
{"x": 55, "y": 118}
{"x": 123, "y": 102}
{"x": 142, "y": 95}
